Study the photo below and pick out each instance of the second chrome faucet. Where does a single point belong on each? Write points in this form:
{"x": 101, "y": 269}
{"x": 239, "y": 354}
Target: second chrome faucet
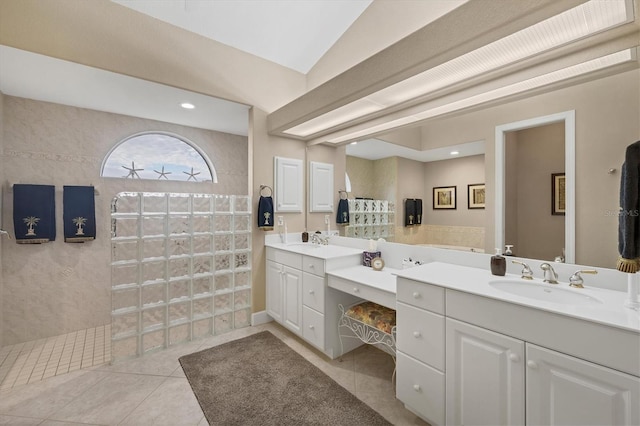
{"x": 550, "y": 275}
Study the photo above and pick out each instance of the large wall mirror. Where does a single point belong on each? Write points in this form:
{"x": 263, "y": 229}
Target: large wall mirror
{"x": 580, "y": 131}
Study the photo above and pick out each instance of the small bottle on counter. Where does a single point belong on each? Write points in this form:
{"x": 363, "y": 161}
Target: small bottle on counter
{"x": 498, "y": 264}
{"x": 305, "y": 237}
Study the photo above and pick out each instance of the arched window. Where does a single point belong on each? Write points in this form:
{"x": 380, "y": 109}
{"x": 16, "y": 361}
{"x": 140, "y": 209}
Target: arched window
{"x": 158, "y": 156}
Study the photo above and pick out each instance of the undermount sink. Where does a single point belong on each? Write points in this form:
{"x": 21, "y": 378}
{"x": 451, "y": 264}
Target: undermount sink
{"x": 545, "y": 292}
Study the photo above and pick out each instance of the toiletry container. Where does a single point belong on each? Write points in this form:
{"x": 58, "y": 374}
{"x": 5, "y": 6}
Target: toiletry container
{"x": 305, "y": 237}
{"x": 498, "y": 264}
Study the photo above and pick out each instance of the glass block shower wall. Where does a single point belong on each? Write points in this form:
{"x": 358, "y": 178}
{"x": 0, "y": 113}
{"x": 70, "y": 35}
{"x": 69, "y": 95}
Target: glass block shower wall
{"x": 371, "y": 219}
{"x": 180, "y": 268}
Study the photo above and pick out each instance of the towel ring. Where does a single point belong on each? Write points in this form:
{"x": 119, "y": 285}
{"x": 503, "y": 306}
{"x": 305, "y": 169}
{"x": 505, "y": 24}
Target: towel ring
{"x": 346, "y": 194}
{"x": 263, "y": 187}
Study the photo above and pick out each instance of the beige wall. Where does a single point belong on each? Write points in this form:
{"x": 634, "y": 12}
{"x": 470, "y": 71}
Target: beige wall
{"x": 458, "y": 172}
{"x": 607, "y": 112}
{"x": 539, "y": 152}
{"x": 55, "y": 288}
{"x": 3, "y": 239}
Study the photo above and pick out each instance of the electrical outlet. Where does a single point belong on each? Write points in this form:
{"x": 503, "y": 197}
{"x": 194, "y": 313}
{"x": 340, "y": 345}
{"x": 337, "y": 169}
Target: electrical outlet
{"x": 326, "y": 219}
{"x": 280, "y": 220}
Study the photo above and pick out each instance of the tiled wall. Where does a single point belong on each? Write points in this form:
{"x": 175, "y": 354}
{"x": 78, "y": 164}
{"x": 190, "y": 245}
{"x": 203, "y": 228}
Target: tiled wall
{"x": 56, "y": 288}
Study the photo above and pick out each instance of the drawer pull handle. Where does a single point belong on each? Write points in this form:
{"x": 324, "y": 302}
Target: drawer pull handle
{"x": 311, "y": 292}
{"x": 514, "y": 357}
{"x": 356, "y": 290}
{"x": 416, "y": 388}
{"x": 532, "y": 365}
{"x": 416, "y": 334}
{"x": 416, "y": 295}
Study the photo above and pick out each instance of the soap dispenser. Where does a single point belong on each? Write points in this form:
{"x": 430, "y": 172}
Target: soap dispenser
{"x": 498, "y": 264}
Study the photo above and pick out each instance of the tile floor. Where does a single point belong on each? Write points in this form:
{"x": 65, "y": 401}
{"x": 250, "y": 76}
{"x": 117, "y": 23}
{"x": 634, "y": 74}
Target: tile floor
{"x": 153, "y": 389}
{"x": 36, "y": 360}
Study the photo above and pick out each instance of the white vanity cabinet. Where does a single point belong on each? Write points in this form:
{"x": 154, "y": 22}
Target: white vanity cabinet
{"x": 564, "y": 390}
{"x": 298, "y": 298}
{"x": 507, "y": 364}
{"x": 420, "y": 359}
{"x": 485, "y": 376}
{"x": 284, "y": 295}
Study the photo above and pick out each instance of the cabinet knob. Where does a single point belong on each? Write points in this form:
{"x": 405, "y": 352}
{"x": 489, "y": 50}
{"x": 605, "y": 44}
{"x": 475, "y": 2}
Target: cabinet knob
{"x": 416, "y": 295}
{"x": 312, "y": 327}
{"x": 514, "y": 357}
{"x": 311, "y": 292}
{"x": 416, "y": 388}
{"x": 416, "y": 334}
{"x": 356, "y": 290}
{"x": 312, "y": 266}
{"x": 532, "y": 364}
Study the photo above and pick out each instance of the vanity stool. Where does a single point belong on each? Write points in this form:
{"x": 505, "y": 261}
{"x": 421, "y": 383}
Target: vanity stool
{"x": 373, "y": 324}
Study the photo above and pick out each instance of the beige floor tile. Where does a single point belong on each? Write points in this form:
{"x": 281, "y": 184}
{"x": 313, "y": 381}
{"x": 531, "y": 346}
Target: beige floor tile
{"x": 18, "y": 421}
{"x": 43, "y": 398}
{"x": 161, "y": 363}
{"x": 109, "y": 402}
{"x": 171, "y": 404}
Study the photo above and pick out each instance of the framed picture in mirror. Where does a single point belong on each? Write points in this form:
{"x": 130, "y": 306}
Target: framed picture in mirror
{"x": 444, "y": 198}
{"x": 475, "y": 196}
{"x": 558, "y": 194}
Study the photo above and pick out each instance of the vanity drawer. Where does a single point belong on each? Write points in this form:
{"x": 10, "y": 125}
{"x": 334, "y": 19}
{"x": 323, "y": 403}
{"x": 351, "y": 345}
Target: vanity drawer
{"x": 422, "y": 295}
{"x": 293, "y": 260}
{"x": 421, "y": 335}
{"x": 372, "y": 294}
{"x": 313, "y": 291}
{"x": 313, "y": 265}
{"x": 313, "y": 327}
{"x": 421, "y": 388}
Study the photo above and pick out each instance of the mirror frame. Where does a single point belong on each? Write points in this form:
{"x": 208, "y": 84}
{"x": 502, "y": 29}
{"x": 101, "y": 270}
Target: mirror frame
{"x": 569, "y": 119}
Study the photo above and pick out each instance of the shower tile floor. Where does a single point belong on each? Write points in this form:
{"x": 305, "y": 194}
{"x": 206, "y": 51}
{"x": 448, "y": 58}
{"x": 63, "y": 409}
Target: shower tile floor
{"x": 153, "y": 389}
{"x": 36, "y": 360}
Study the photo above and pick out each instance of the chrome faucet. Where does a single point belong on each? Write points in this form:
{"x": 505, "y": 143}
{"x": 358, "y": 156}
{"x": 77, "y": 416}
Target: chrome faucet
{"x": 527, "y": 273}
{"x": 576, "y": 280}
{"x": 550, "y": 275}
{"x": 318, "y": 239}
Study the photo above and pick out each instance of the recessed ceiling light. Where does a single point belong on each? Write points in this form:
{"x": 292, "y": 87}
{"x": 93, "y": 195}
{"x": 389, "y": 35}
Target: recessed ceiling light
{"x": 454, "y": 152}
{"x": 187, "y": 105}
{"x": 354, "y": 143}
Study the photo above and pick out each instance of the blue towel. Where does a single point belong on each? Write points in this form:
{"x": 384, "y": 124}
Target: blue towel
{"x": 79, "y": 215}
{"x": 410, "y": 212}
{"x": 34, "y": 213}
{"x": 265, "y": 213}
{"x": 343, "y": 212}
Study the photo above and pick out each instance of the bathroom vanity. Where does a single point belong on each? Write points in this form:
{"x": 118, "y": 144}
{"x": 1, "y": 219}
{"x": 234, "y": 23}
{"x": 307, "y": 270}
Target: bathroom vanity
{"x": 470, "y": 352}
{"x": 297, "y": 295}
{"x": 472, "y": 348}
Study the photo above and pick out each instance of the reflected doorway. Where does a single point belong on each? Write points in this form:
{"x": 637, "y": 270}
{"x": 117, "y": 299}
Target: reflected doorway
{"x": 534, "y": 197}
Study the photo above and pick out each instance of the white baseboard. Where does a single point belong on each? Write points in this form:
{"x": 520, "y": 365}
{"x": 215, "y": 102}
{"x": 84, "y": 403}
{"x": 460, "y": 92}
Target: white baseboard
{"x": 261, "y": 317}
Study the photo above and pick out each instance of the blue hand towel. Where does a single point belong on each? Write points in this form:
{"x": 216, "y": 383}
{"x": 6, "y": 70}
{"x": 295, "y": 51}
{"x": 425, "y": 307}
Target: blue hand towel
{"x": 265, "y": 213}
{"x": 409, "y": 212}
{"x": 34, "y": 213}
{"x": 79, "y": 215}
{"x": 343, "y": 212}
{"x": 629, "y": 217}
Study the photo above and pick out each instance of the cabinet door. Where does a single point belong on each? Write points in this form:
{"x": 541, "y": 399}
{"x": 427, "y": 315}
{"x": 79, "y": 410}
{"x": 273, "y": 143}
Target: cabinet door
{"x": 289, "y": 184}
{"x": 321, "y": 187}
{"x": 485, "y": 376}
{"x": 274, "y": 282}
{"x": 563, "y": 390}
{"x": 292, "y": 292}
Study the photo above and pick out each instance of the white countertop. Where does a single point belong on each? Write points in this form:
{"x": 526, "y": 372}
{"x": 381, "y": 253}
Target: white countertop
{"x": 323, "y": 252}
{"x": 476, "y": 281}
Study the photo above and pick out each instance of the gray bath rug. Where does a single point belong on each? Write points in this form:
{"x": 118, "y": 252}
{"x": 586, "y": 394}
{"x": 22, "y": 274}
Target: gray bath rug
{"x": 259, "y": 380}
